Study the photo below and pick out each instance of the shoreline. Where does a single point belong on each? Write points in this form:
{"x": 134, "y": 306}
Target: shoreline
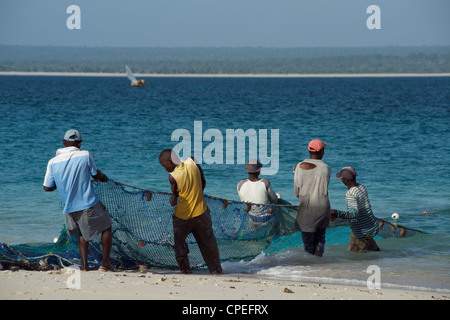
{"x": 155, "y": 284}
{"x": 190, "y": 75}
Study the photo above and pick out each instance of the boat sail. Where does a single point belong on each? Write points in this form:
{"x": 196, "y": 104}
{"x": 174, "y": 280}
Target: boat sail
{"x": 132, "y": 78}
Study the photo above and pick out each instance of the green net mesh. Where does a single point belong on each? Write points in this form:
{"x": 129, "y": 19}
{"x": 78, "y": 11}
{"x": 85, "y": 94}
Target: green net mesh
{"x": 143, "y": 235}
{"x": 142, "y": 226}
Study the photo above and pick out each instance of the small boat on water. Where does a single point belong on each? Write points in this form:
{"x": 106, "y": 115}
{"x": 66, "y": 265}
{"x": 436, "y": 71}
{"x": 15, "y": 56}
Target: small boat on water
{"x": 134, "y": 81}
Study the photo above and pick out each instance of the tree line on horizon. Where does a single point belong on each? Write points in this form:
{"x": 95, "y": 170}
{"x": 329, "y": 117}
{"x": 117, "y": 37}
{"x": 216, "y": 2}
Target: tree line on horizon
{"x": 226, "y": 60}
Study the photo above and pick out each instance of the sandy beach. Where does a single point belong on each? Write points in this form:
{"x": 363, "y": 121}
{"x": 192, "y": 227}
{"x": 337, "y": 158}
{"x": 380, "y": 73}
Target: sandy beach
{"x": 291, "y": 75}
{"x": 171, "y": 285}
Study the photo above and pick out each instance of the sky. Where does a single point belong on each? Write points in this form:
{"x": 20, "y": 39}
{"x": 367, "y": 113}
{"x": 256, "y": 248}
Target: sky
{"x": 225, "y": 23}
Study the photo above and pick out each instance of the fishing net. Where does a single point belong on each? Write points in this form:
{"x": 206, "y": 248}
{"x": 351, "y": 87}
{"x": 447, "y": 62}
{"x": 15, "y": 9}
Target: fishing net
{"x": 143, "y": 235}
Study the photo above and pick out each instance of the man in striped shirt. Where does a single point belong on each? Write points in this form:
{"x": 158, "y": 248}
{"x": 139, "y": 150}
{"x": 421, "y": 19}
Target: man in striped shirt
{"x": 363, "y": 223}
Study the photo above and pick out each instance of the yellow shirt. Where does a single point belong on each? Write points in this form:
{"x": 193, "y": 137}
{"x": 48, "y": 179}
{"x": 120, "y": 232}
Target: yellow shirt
{"x": 191, "y": 202}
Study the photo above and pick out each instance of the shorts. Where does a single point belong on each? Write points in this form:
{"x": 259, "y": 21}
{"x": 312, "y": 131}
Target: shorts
{"x": 364, "y": 244}
{"x": 89, "y": 222}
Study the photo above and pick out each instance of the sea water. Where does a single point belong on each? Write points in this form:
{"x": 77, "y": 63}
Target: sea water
{"x": 395, "y": 131}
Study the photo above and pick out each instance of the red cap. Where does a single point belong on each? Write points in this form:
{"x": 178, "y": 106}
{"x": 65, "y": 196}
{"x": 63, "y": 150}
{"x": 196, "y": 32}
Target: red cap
{"x": 316, "y": 145}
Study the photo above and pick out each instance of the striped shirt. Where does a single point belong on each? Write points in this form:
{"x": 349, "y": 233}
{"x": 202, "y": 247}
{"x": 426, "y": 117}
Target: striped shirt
{"x": 359, "y": 213}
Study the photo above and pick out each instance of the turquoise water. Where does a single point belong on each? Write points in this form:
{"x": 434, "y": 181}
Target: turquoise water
{"x": 394, "y": 131}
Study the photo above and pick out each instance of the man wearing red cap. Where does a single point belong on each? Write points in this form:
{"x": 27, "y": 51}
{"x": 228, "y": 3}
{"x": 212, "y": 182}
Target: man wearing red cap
{"x": 311, "y": 179}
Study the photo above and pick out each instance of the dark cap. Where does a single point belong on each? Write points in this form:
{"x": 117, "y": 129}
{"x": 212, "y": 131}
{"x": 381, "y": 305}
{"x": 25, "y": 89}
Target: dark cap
{"x": 253, "y": 166}
{"x": 347, "y": 173}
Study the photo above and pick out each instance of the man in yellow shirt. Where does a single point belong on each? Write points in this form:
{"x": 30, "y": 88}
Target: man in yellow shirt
{"x": 191, "y": 213}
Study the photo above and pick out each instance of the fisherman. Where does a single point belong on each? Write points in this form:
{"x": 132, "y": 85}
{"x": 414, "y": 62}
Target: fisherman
{"x": 191, "y": 214}
{"x": 311, "y": 180}
{"x": 363, "y": 223}
{"x": 70, "y": 172}
{"x": 256, "y": 190}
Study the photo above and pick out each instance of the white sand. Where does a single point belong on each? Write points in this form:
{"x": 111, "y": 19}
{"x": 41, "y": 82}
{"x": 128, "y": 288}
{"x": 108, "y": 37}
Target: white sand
{"x": 171, "y": 285}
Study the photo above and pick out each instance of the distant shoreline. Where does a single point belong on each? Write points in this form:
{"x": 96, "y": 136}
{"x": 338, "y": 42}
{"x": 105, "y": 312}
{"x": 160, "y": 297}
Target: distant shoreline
{"x": 190, "y": 75}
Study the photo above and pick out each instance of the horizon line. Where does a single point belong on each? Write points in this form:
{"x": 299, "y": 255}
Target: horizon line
{"x": 226, "y": 47}
{"x": 224, "y": 75}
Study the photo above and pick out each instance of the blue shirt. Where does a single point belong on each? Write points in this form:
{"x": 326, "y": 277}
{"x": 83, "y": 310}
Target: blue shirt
{"x": 71, "y": 172}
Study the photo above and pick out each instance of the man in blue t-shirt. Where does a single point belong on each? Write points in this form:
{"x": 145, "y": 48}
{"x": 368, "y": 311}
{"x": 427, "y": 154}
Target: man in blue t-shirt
{"x": 70, "y": 172}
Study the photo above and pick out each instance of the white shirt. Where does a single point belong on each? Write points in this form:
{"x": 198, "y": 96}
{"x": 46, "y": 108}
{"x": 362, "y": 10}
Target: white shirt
{"x": 256, "y": 191}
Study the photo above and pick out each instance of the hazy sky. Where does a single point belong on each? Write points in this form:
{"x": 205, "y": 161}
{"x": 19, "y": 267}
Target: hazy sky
{"x": 229, "y": 23}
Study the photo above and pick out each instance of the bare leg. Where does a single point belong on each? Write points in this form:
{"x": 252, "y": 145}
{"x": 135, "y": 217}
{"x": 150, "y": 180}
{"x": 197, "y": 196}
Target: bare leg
{"x": 372, "y": 246}
{"x": 83, "y": 247}
{"x": 106, "y": 247}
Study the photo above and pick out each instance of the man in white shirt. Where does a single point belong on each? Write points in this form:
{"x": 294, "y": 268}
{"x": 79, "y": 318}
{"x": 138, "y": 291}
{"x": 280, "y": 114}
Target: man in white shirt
{"x": 256, "y": 190}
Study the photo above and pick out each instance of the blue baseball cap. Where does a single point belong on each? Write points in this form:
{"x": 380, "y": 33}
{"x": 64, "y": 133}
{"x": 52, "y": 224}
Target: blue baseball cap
{"x": 73, "y": 135}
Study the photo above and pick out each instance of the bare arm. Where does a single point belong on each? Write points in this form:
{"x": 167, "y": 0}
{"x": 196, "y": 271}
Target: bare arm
{"x": 100, "y": 176}
{"x": 173, "y": 185}
{"x": 174, "y": 188}
{"x": 202, "y": 176}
